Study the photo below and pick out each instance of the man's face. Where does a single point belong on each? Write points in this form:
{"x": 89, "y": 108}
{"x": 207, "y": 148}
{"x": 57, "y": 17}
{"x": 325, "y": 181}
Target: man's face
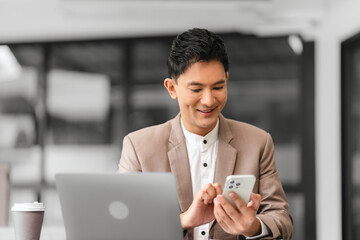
{"x": 201, "y": 92}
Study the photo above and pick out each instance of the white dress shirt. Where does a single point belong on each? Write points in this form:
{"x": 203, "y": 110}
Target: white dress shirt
{"x": 202, "y": 154}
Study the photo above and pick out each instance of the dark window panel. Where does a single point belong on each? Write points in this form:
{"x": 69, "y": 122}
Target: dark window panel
{"x": 95, "y": 57}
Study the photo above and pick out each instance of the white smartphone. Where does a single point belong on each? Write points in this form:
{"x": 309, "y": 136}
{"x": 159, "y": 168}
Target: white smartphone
{"x": 242, "y": 185}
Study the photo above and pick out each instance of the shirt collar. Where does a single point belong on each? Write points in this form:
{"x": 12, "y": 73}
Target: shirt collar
{"x": 204, "y": 141}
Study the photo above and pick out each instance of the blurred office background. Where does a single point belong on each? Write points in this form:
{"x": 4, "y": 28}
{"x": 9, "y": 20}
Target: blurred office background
{"x": 77, "y": 75}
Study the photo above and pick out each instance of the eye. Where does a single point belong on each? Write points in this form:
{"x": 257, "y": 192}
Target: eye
{"x": 218, "y": 88}
{"x": 195, "y": 90}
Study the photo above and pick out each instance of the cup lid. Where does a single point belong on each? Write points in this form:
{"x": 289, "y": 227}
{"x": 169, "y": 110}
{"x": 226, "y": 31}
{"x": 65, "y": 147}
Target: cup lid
{"x": 30, "y": 207}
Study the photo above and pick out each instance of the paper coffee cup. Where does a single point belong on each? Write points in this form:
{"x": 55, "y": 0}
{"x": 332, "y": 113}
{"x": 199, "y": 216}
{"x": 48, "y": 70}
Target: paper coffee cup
{"x": 28, "y": 218}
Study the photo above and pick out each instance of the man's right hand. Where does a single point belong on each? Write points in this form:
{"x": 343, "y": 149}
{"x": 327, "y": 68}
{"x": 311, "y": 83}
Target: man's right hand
{"x": 201, "y": 210}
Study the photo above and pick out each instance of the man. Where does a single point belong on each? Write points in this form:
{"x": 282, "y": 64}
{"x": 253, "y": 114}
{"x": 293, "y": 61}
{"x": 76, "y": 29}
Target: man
{"x": 201, "y": 148}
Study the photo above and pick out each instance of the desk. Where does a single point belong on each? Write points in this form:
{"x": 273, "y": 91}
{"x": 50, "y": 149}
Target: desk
{"x": 47, "y": 233}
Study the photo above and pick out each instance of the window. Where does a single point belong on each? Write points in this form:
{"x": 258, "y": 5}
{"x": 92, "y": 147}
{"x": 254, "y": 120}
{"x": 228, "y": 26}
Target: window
{"x": 87, "y": 95}
{"x": 351, "y": 137}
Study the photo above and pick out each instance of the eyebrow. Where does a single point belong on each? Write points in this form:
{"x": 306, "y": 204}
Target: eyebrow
{"x": 200, "y": 84}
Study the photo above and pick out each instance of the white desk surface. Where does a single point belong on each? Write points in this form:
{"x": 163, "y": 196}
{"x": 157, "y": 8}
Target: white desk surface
{"x": 47, "y": 233}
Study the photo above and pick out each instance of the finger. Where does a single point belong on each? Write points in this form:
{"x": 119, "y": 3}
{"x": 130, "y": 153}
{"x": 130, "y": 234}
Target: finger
{"x": 208, "y": 193}
{"x": 220, "y": 214}
{"x": 255, "y": 201}
{"x": 239, "y": 203}
{"x": 218, "y": 188}
{"x": 206, "y": 198}
{"x": 229, "y": 209}
{"x": 211, "y": 190}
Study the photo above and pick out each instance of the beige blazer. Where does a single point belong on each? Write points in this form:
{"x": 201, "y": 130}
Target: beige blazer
{"x": 243, "y": 149}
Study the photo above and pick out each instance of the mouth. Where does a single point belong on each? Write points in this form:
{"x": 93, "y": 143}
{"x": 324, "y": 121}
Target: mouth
{"x": 206, "y": 111}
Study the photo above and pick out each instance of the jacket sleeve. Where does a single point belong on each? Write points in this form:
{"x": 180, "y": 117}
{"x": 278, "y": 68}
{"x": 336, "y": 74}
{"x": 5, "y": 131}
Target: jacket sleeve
{"x": 129, "y": 161}
{"x": 273, "y": 209}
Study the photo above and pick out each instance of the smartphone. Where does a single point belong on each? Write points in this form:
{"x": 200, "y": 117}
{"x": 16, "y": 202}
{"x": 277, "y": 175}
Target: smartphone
{"x": 242, "y": 185}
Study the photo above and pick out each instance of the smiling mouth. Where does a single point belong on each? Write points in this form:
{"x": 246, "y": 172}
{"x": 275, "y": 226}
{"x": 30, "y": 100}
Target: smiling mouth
{"x": 207, "y": 111}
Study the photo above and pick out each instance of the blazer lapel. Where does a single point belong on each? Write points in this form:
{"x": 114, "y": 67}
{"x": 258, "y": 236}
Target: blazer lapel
{"x": 179, "y": 164}
{"x": 226, "y": 158}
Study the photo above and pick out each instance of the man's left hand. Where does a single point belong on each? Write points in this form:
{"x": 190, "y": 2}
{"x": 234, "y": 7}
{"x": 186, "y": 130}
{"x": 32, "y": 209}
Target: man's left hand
{"x": 240, "y": 221}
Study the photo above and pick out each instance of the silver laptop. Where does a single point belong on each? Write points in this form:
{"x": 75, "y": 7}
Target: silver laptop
{"x": 130, "y": 206}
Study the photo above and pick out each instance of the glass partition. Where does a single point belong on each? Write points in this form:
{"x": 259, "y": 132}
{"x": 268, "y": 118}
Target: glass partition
{"x": 83, "y": 97}
{"x": 351, "y": 137}
{"x": 20, "y": 148}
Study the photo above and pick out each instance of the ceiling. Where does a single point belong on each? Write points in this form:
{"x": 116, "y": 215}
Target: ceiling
{"x": 50, "y": 20}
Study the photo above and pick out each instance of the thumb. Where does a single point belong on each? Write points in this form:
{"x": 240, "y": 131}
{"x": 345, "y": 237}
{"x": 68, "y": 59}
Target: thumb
{"x": 254, "y": 201}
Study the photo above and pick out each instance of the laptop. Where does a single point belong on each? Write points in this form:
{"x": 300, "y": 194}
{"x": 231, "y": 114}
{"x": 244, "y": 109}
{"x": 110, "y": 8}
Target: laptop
{"x": 126, "y": 206}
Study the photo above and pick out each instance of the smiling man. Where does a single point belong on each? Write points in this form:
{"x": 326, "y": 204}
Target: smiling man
{"x": 201, "y": 148}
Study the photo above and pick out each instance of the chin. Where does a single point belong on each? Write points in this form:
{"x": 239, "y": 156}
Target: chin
{"x": 208, "y": 125}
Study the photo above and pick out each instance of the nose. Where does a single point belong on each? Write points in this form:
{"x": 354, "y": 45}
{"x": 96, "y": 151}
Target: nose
{"x": 208, "y": 98}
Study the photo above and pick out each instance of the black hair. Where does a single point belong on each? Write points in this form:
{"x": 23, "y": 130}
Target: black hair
{"x": 193, "y": 46}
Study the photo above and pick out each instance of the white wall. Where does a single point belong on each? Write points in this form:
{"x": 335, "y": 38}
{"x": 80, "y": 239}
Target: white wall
{"x": 327, "y": 136}
{"x": 341, "y": 21}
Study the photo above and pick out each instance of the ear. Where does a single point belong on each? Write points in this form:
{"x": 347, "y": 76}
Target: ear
{"x": 169, "y": 84}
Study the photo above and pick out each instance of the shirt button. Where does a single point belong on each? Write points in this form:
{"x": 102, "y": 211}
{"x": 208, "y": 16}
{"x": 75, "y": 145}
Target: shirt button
{"x": 205, "y": 164}
{"x": 205, "y": 142}
{"x": 203, "y": 233}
